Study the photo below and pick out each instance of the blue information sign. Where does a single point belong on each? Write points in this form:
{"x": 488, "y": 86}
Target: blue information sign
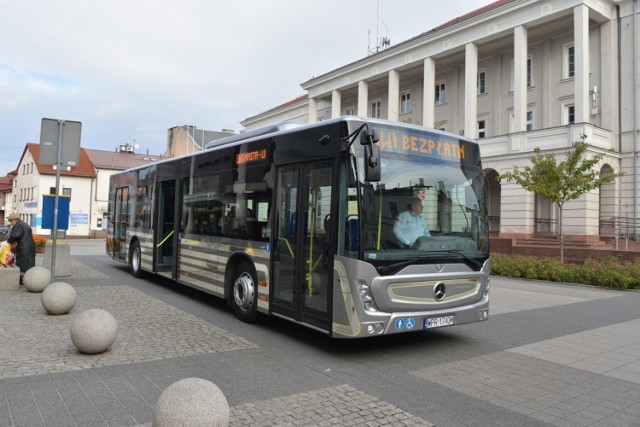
{"x": 48, "y": 205}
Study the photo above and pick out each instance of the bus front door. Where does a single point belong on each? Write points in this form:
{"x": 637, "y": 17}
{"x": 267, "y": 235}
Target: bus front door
{"x": 302, "y": 262}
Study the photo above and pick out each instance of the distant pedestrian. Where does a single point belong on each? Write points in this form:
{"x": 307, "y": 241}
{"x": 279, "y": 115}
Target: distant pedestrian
{"x": 22, "y": 238}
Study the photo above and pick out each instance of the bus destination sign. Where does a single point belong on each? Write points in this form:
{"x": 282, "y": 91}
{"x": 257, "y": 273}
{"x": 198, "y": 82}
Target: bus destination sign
{"x": 251, "y": 156}
{"x": 425, "y": 144}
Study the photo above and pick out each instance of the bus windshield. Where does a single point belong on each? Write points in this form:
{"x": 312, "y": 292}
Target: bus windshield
{"x": 428, "y": 207}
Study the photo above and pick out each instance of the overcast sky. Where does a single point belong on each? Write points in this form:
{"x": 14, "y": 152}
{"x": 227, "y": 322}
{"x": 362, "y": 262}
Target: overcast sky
{"x": 130, "y": 70}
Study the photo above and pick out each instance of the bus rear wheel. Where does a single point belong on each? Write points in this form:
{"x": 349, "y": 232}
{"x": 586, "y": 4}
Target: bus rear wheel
{"x": 244, "y": 297}
{"x": 135, "y": 259}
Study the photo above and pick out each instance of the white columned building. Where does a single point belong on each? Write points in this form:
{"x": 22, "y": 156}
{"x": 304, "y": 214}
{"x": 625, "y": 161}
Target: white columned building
{"x": 516, "y": 75}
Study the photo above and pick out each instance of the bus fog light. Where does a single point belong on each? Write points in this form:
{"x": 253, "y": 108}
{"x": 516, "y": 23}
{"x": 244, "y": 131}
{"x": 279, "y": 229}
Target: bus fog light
{"x": 370, "y": 329}
{"x": 379, "y": 328}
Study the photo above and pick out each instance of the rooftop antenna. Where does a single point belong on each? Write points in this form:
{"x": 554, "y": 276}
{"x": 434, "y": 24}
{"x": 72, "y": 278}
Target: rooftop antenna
{"x": 381, "y": 43}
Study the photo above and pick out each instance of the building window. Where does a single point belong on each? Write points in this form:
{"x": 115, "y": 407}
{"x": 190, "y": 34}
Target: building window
{"x": 482, "y": 129}
{"x": 482, "y": 82}
{"x": 405, "y": 103}
{"x": 440, "y": 93}
{"x": 375, "y": 109}
{"x": 569, "y": 114}
{"x": 66, "y": 191}
{"x": 569, "y": 61}
{"x": 349, "y": 111}
{"x": 52, "y": 190}
{"x": 529, "y": 121}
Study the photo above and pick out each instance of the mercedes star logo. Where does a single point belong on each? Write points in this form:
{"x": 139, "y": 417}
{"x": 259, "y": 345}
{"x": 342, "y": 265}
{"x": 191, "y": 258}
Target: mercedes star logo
{"x": 439, "y": 291}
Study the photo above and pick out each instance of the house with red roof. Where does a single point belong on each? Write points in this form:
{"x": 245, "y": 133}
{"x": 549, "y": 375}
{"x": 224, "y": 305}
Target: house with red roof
{"x": 87, "y": 186}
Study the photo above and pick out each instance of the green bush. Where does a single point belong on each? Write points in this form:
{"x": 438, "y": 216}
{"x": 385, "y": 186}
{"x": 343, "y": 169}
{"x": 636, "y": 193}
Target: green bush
{"x": 610, "y": 272}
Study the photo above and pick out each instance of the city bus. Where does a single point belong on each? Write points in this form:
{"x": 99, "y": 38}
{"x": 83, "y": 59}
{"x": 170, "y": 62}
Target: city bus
{"x": 297, "y": 221}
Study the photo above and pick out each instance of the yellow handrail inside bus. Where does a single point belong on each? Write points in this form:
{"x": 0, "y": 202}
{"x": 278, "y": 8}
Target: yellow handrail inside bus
{"x": 314, "y": 203}
{"x": 288, "y": 246}
{"x": 165, "y": 239}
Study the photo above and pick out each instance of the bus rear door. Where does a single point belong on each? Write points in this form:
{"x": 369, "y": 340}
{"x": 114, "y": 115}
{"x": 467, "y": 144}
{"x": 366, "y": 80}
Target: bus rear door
{"x": 302, "y": 262}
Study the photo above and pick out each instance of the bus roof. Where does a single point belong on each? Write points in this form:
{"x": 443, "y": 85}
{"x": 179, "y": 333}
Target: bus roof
{"x": 278, "y": 127}
{"x": 287, "y": 126}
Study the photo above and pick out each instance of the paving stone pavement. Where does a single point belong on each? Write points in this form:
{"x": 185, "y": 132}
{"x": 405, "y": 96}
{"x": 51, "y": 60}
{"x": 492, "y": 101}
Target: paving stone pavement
{"x": 34, "y": 344}
{"x": 585, "y": 378}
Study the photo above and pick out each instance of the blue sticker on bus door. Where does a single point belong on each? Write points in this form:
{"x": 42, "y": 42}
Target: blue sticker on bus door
{"x": 399, "y": 324}
{"x": 267, "y": 247}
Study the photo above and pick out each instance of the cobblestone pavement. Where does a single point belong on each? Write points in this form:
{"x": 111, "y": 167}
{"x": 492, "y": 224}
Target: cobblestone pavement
{"x": 148, "y": 329}
{"x": 34, "y": 344}
{"x": 550, "y": 355}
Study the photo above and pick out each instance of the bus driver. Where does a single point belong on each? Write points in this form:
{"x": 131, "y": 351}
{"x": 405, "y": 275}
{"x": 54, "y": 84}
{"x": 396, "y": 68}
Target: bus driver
{"x": 410, "y": 224}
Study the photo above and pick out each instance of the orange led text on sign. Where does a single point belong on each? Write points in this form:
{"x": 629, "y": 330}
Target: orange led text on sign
{"x": 421, "y": 145}
{"x": 251, "y": 156}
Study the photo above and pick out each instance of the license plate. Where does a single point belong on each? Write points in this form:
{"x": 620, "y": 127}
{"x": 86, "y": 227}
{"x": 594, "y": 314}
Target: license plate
{"x": 438, "y": 322}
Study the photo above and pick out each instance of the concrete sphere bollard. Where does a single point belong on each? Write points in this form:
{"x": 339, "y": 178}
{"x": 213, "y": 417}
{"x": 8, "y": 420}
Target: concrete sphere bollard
{"x": 94, "y": 331}
{"x": 36, "y": 279}
{"x": 58, "y": 298}
{"x": 191, "y": 402}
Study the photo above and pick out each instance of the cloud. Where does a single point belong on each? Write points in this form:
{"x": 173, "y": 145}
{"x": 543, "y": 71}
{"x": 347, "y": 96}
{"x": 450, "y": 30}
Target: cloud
{"x": 131, "y": 70}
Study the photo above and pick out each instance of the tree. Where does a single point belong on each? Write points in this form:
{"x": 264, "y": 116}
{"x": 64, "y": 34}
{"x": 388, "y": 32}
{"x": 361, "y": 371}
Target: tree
{"x": 563, "y": 181}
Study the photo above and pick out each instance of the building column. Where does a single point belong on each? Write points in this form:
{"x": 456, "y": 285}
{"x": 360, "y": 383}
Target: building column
{"x": 363, "y": 98}
{"x": 471, "y": 91}
{"x": 520, "y": 79}
{"x": 313, "y": 110}
{"x": 336, "y": 103}
{"x": 581, "y": 78}
{"x": 394, "y": 95}
{"x": 429, "y": 93}
{"x": 607, "y": 92}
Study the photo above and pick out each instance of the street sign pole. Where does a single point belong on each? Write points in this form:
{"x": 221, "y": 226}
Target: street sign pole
{"x": 61, "y": 124}
{"x": 59, "y": 147}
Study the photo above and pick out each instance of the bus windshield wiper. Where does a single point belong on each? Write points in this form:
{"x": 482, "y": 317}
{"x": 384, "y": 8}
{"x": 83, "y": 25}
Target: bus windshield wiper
{"x": 385, "y": 268}
{"x": 466, "y": 258}
{"x": 390, "y": 267}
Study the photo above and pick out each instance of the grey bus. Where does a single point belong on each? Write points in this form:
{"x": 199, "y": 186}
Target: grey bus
{"x": 297, "y": 221}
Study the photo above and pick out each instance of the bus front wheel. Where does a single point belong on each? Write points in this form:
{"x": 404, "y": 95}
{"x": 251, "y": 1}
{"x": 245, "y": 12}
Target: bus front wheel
{"x": 245, "y": 294}
{"x": 135, "y": 259}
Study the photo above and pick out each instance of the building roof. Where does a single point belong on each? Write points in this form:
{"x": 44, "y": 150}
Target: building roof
{"x": 84, "y": 169}
{"x": 447, "y": 24}
{"x": 118, "y": 160}
{"x": 281, "y": 106}
{"x": 488, "y": 8}
{"x": 6, "y": 183}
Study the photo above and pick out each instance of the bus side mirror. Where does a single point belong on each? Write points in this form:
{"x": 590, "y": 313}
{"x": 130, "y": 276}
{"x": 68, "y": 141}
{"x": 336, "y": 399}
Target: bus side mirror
{"x": 372, "y": 163}
{"x": 369, "y": 138}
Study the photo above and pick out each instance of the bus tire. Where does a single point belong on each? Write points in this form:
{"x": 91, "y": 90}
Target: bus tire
{"x": 135, "y": 259}
{"x": 244, "y": 293}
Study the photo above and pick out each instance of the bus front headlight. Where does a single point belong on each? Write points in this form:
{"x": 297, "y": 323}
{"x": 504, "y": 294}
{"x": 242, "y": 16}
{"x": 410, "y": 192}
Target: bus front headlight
{"x": 365, "y": 295}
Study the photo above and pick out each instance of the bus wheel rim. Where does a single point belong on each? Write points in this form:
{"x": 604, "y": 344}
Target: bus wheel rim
{"x": 244, "y": 291}
{"x": 135, "y": 261}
